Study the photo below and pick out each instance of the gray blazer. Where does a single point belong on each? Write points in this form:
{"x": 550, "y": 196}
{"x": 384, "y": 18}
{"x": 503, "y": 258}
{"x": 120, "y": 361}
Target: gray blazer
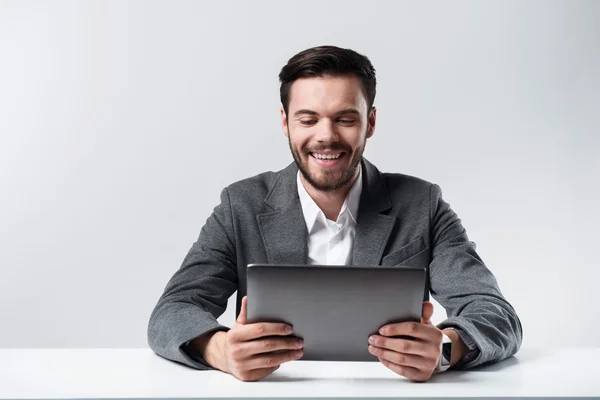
{"x": 401, "y": 220}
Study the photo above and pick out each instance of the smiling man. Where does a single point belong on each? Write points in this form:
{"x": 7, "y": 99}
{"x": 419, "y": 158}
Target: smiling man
{"x": 332, "y": 207}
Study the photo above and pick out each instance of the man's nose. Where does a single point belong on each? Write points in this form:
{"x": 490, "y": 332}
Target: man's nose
{"x": 326, "y": 131}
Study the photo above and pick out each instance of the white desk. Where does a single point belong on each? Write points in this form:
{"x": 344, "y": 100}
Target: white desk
{"x": 139, "y": 373}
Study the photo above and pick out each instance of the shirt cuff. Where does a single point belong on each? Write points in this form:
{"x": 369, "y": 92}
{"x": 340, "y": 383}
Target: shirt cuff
{"x": 194, "y": 354}
{"x": 473, "y": 350}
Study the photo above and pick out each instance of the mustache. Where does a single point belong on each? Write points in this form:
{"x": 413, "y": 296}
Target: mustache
{"x": 327, "y": 146}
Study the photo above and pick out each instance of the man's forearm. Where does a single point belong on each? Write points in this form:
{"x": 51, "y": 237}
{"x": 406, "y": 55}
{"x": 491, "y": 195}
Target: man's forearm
{"x": 212, "y": 348}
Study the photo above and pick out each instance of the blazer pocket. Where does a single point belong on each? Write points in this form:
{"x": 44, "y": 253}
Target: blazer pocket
{"x": 406, "y": 252}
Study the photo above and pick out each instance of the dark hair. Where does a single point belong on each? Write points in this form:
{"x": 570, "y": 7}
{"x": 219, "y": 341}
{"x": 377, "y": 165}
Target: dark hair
{"x": 324, "y": 61}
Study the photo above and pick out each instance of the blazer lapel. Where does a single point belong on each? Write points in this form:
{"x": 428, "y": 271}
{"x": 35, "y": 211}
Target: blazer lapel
{"x": 284, "y": 231}
{"x": 373, "y": 228}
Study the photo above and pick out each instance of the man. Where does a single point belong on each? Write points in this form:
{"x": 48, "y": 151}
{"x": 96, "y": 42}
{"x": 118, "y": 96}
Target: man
{"x": 331, "y": 207}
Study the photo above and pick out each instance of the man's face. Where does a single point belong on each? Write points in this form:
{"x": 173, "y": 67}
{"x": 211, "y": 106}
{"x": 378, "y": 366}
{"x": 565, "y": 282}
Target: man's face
{"x": 327, "y": 126}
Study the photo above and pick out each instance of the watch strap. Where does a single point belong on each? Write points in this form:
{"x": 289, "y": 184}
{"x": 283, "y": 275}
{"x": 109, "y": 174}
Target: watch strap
{"x": 445, "y": 354}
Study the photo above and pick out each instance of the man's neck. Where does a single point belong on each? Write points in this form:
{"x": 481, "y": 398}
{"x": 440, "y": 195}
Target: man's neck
{"x": 329, "y": 202}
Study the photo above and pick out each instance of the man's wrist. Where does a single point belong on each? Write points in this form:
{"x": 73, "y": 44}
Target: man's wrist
{"x": 211, "y": 348}
{"x": 459, "y": 349}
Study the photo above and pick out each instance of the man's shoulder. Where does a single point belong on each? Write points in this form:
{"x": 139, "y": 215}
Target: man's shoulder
{"x": 406, "y": 179}
{"x": 402, "y": 183}
{"x": 396, "y": 183}
{"x": 256, "y": 188}
{"x": 260, "y": 182}
{"x": 408, "y": 194}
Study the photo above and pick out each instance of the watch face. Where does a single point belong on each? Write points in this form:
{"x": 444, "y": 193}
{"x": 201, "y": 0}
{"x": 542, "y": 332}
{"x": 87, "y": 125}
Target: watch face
{"x": 447, "y": 352}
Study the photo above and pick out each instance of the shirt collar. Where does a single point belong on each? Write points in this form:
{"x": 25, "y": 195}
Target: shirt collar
{"x": 311, "y": 210}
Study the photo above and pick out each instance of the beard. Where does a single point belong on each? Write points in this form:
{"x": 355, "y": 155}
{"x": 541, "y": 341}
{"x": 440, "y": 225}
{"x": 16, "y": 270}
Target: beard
{"x": 328, "y": 180}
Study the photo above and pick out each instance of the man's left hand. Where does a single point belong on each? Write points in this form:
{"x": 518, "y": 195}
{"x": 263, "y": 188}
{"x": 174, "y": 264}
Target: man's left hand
{"x": 415, "y": 358}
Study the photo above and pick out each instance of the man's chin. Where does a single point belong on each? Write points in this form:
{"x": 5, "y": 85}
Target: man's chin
{"x": 326, "y": 184}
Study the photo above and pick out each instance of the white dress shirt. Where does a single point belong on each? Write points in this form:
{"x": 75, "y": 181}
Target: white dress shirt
{"x": 331, "y": 242}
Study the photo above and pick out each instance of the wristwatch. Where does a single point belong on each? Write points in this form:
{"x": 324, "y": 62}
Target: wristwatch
{"x": 445, "y": 356}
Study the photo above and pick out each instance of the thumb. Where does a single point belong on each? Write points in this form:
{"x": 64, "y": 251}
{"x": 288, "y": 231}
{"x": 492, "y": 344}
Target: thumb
{"x": 241, "y": 319}
{"x": 426, "y": 313}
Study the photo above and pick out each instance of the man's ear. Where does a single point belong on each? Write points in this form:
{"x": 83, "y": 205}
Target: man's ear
{"x": 284, "y": 122}
{"x": 371, "y": 121}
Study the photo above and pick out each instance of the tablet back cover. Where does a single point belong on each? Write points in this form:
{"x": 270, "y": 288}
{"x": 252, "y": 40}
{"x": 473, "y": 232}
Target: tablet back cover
{"x": 335, "y": 308}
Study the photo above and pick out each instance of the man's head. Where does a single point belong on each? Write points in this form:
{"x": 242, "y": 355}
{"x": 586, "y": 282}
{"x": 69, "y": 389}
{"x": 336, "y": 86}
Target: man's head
{"x": 327, "y": 96}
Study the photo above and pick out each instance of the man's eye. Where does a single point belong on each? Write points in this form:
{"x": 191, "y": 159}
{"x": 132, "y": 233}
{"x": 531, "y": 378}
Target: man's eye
{"x": 308, "y": 122}
{"x": 346, "y": 121}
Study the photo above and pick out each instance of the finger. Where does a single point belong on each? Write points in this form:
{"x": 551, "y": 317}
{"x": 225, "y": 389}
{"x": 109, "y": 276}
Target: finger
{"x": 415, "y": 330}
{"x": 256, "y": 374}
{"x": 408, "y": 372}
{"x": 267, "y": 345}
{"x": 427, "y": 312}
{"x": 271, "y": 360}
{"x": 241, "y": 319}
{"x": 404, "y": 346}
{"x": 248, "y": 332}
{"x": 406, "y": 360}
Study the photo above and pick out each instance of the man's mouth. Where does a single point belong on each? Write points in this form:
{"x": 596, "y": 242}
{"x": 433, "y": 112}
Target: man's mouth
{"x": 326, "y": 156}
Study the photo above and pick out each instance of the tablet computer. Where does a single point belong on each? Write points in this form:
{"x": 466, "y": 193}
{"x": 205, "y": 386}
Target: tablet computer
{"x": 335, "y": 308}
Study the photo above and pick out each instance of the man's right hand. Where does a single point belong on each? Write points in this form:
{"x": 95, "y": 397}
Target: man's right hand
{"x": 251, "y": 351}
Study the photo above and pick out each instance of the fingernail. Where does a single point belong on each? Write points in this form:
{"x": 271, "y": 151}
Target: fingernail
{"x": 372, "y": 339}
{"x": 299, "y": 344}
{"x": 383, "y": 330}
{"x": 288, "y": 329}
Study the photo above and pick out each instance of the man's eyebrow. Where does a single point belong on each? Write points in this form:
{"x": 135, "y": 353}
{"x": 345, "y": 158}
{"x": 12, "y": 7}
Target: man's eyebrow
{"x": 305, "y": 112}
{"x": 348, "y": 111}
{"x": 342, "y": 112}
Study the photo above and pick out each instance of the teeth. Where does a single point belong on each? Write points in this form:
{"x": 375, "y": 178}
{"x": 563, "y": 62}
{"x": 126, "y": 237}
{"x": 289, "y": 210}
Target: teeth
{"x": 327, "y": 156}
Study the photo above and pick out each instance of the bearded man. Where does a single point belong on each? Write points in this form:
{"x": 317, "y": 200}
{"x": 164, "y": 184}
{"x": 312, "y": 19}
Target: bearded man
{"x": 332, "y": 207}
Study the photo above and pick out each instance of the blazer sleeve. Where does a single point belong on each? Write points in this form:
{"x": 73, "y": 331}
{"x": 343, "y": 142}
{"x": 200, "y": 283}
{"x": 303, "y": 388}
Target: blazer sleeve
{"x": 465, "y": 287}
{"x": 197, "y": 293}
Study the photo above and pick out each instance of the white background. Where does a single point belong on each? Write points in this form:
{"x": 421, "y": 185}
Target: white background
{"x": 120, "y": 123}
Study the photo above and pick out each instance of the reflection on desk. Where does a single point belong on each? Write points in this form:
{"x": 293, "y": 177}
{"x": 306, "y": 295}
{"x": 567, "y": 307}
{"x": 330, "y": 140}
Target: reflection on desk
{"x": 139, "y": 373}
